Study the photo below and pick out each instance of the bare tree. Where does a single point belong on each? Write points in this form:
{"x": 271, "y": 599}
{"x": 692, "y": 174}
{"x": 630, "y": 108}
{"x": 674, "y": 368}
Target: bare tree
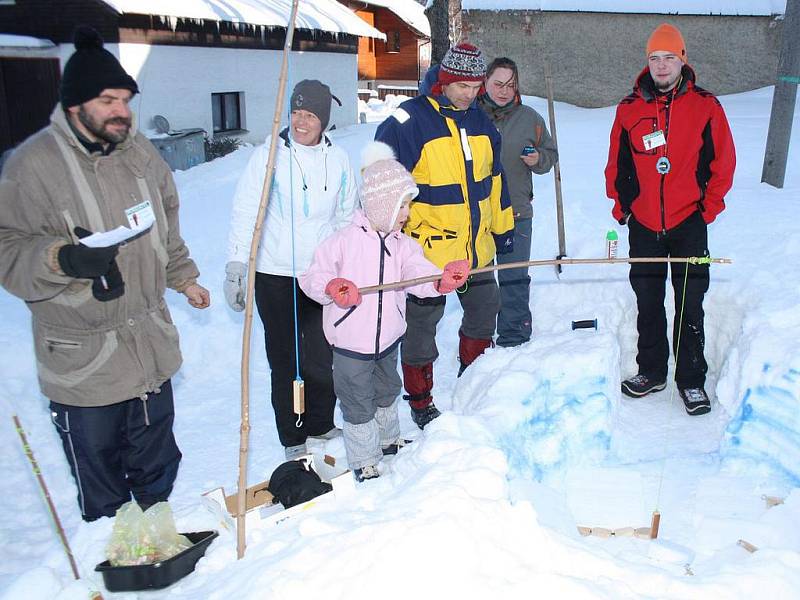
{"x": 438, "y": 16}
{"x": 454, "y": 18}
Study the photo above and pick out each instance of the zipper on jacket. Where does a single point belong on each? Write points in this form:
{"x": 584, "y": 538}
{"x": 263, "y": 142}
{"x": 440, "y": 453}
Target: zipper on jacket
{"x": 380, "y": 296}
{"x": 667, "y": 106}
{"x": 52, "y": 344}
{"x": 462, "y": 140}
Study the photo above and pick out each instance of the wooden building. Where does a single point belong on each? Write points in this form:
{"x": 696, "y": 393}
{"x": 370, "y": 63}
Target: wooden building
{"x": 198, "y": 63}
{"x": 400, "y": 61}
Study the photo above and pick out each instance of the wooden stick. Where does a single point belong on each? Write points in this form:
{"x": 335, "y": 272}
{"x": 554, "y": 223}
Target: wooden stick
{"x": 747, "y": 546}
{"x": 562, "y": 243}
{"x": 654, "y": 524}
{"x": 244, "y": 431}
{"x": 538, "y": 263}
{"x": 59, "y": 529}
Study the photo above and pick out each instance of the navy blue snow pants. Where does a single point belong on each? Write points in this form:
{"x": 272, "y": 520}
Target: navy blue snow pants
{"x": 120, "y": 450}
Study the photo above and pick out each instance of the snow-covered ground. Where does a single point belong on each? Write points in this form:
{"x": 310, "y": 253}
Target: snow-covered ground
{"x": 534, "y": 441}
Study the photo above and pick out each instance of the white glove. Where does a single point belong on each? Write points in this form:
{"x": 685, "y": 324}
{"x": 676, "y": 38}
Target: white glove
{"x": 235, "y": 275}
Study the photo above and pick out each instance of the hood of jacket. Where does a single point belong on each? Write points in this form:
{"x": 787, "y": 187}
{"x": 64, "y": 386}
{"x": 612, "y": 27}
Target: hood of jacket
{"x": 645, "y": 87}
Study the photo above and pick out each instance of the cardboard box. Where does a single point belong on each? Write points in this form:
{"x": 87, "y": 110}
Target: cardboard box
{"x": 259, "y": 508}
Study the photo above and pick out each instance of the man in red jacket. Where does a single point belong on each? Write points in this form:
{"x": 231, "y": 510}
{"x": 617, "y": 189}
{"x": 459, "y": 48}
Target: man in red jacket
{"x": 670, "y": 164}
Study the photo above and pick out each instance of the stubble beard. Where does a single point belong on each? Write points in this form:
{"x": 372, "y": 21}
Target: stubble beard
{"x": 100, "y": 131}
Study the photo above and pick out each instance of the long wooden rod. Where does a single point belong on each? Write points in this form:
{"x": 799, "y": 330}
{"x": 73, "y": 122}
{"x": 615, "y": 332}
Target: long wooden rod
{"x": 244, "y": 430}
{"x": 43, "y": 486}
{"x": 551, "y": 110}
{"x": 539, "y": 263}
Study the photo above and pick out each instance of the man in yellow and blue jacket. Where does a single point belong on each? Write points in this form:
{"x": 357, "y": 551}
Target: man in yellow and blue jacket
{"x": 463, "y": 211}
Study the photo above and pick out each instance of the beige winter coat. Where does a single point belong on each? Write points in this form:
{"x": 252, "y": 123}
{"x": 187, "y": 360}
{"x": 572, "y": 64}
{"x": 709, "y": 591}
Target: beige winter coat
{"x": 91, "y": 353}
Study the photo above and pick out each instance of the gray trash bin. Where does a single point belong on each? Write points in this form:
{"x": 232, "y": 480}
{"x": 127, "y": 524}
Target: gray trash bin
{"x": 182, "y": 149}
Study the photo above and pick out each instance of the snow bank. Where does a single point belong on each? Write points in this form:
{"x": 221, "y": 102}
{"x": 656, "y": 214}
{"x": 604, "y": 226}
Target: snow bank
{"x": 547, "y": 414}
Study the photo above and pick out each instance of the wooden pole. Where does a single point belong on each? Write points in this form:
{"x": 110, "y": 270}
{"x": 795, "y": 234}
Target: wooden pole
{"x": 51, "y": 507}
{"x": 244, "y": 431}
{"x": 539, "y": 263}
{"x": 562, "y": 242}
{"x": 655, "y": 523}
{"x": 783, "y": 100}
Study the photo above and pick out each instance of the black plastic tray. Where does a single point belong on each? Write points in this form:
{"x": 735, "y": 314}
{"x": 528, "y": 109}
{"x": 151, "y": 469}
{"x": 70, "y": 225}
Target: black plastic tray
{"x": 160, "y": 574}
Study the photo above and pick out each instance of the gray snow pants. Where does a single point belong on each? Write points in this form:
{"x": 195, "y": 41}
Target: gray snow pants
{"x": 367, "y": 390}
{"x": 480, "y": 301}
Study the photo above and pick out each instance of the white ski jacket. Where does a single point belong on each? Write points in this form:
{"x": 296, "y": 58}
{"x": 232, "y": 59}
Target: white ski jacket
{"x": 317, "y": 180}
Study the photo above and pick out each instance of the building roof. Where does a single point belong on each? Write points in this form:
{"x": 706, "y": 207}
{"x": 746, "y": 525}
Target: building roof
{"x": 674, "y": 7}
{"x": 410, "y": 11}
{"x": 8, "y": 40}
{"x": 324, "y": 15}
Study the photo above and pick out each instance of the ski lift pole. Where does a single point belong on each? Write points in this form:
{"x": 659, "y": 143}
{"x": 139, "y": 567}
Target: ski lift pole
{"x": 562, "y": 243}
{"x": 244, "y": 430}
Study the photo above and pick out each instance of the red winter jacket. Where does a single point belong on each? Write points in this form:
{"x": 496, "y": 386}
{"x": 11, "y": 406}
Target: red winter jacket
{"x": 699, "y": 148}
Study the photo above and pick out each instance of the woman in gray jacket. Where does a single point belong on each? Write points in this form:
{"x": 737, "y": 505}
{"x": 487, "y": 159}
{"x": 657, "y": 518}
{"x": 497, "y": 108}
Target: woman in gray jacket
{"x": 527, "y": 148}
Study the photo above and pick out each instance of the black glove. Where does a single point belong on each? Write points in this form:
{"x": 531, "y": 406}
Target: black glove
{"x": 77, "y": 260}
{"x": 504, "y": 242}
{"x": 112, "y": 288}
{"x": 98, "y": 264}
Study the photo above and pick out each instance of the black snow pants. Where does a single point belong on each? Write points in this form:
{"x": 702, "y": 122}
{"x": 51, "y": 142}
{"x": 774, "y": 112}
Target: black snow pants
{"x": 648, "y": 280}
{"x": 275, "y": 303}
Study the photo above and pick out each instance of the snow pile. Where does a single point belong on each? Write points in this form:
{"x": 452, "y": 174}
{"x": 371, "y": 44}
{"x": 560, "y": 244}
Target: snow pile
{"x": 766, "y": 429}
{"x": 548, "y": 414}
{"x": 376, "y": 110}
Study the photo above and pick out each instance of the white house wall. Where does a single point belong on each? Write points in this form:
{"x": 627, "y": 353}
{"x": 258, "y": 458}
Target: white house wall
{"x": 177, "y": 82}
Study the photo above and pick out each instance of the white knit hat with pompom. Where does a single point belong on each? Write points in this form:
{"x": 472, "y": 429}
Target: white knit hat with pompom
{"x": 385, "y": 183}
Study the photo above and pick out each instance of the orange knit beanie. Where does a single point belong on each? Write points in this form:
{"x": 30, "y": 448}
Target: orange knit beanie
{"x": 667, "y": 38}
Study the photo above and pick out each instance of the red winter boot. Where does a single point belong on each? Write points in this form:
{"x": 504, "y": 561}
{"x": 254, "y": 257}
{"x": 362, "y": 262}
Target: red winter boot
{"x": 418, "y": 381}
{"x": 469, "y": 349}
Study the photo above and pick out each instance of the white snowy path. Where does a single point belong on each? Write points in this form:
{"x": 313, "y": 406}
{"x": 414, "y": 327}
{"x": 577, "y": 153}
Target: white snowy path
{"x": 533, "y": 442}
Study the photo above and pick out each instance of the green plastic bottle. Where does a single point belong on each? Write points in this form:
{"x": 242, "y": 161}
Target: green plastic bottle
{"x": 612, "y": 240}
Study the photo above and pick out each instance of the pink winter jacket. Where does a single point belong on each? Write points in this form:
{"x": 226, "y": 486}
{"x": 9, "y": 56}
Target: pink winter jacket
{"x": 372, "y": 329}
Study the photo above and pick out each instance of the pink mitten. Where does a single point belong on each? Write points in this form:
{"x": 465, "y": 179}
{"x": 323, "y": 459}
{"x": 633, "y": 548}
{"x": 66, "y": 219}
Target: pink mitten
{"x": 344, "y": 292}
{"x": 454, "y": 275}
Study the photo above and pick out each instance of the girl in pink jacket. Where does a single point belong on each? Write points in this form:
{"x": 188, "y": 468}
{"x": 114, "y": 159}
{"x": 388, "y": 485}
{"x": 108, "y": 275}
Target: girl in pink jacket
{"x": 365, "y": 331}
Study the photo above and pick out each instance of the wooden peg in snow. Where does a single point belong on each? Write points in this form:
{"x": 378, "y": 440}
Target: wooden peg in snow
{"x": 772, "y": 500}
{"x": 604, "y": 532}
{"x": 654, "y": 524}
{"x": 747, "y": 546}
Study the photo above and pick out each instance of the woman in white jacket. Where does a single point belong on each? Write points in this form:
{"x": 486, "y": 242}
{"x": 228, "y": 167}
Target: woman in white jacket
{"x": 313, "y": 194}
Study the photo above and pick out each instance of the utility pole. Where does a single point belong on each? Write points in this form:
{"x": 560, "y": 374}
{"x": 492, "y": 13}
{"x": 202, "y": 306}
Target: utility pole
{"x": 784, "y": 99}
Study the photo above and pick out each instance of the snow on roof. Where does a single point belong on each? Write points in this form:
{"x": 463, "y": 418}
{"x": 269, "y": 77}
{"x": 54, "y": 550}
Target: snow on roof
{"x": 23, "y": 41}
{"x": 674, "y": 7}
{"x": 325, "y": 15}
{"x": 409, "y": 11}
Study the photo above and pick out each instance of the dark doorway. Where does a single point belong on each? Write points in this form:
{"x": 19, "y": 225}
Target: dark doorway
{"x": 28, "y": 93}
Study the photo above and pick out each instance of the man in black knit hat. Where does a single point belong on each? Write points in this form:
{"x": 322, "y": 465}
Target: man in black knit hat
{"x": 105, "y": 345}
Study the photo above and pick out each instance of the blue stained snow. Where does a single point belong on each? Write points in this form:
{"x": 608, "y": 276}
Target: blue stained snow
{"x": 563, "y": 429}
{"x": 767, "y": 429}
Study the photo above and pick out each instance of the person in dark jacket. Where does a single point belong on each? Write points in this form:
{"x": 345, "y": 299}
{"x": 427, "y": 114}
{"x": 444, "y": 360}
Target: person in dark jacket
{"x": 527, "y": 148}
{"x": 670, "y": 164}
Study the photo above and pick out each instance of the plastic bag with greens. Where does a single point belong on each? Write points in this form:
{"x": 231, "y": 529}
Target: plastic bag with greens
{"x": 144, "y": 537}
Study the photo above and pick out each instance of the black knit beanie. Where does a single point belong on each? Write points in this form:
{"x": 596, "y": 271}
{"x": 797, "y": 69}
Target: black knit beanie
{"x": 91, "y": 69}
{"x": 315, "y": 97}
